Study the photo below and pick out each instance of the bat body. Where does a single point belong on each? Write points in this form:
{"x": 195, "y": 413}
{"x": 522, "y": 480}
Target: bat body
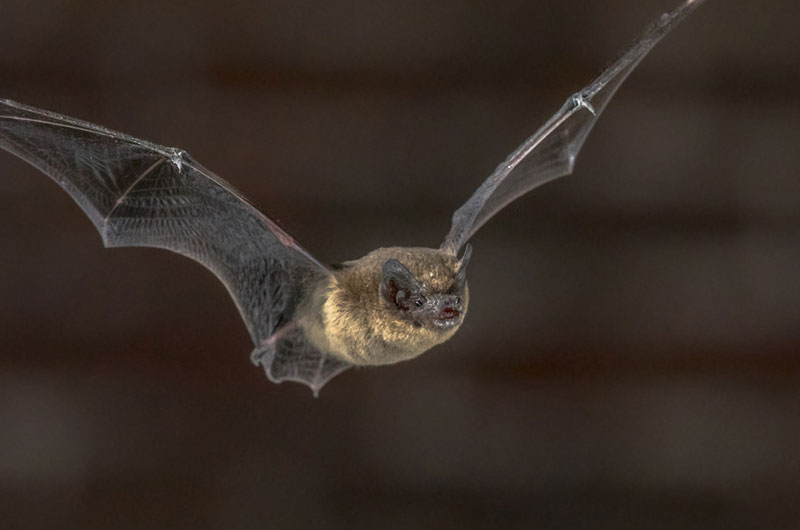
{"x": 308, "y": 321}
{"x": 353, "y": 325}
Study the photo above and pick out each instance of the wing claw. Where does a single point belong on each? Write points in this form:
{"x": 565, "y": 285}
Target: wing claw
{"x": 579, "y": 101}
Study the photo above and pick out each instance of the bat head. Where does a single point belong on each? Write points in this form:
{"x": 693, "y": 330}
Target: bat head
{"x": 435, "y": 305}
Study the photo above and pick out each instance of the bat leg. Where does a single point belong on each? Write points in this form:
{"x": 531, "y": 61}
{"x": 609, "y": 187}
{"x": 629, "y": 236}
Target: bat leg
{"x": 267, "y": 346}
{"x": 288, "y": 356}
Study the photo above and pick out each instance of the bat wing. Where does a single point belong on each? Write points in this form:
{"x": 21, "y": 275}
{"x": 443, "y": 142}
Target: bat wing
{"x": 550, "y": 153}
{"x": 141, "y": 194}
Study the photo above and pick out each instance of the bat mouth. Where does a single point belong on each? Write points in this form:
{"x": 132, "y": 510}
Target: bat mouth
{"x": 447, "y": 318}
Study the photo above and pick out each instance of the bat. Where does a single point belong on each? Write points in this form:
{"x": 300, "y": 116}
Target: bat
{"x": 308, "y": 321}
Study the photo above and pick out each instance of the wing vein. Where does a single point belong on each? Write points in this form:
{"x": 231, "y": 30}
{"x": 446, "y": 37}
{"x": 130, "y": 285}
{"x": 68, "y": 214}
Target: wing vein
{"x": 125, "y": 193}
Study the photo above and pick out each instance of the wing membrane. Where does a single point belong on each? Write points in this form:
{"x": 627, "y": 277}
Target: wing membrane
{"x": 141, "y": 194}
{"x": 550, "y": 153}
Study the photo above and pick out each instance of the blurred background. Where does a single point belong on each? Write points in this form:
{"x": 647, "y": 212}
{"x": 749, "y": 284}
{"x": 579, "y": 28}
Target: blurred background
{"x": 632, "y": 354}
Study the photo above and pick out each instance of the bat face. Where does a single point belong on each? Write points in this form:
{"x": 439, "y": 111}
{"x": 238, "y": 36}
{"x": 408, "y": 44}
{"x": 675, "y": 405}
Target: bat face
{"x": 410, "y": 300}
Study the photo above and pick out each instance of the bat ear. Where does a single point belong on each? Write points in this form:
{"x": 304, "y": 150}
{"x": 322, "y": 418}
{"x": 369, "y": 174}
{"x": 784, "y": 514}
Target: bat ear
{"x": 461, "y": 270}
{"x": 397, "y": 284}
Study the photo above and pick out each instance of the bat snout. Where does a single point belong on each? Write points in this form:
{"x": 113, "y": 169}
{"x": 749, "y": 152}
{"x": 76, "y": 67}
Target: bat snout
{"x": 450, "y": 310}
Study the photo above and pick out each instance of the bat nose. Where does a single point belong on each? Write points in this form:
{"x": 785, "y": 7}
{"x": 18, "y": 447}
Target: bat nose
{"x": 454, "y": 302}
{"x": 451, "y": 306}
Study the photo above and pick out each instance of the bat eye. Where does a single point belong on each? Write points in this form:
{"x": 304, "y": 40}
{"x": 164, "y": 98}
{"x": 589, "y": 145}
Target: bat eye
{"x": 418, "y": 302}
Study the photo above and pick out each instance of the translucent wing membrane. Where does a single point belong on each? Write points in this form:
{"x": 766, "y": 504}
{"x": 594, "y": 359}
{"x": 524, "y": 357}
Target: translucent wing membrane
{"x": 550, "y": 153}
{"x": 288, "y": 356}
{"x": 140, "y": 194}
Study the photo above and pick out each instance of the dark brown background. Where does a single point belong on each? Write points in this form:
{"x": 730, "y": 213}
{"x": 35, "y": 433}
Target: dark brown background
{"x": 632, "y": 354}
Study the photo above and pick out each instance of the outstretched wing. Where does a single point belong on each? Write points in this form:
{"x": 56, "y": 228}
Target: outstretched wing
{"x": 141, "y": 194}
{"x": 550, "y": 153}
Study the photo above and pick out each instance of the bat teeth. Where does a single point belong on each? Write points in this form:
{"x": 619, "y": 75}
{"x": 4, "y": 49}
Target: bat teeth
{"x": 448, "y": 318}
{"x": 448, "y": 313}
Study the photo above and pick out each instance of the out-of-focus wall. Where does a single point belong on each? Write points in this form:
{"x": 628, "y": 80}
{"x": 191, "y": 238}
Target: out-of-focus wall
{"x": 632, "y": 353}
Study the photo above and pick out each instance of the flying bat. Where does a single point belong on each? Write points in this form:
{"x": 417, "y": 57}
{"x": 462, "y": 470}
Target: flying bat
{"x": 308, "y": 321}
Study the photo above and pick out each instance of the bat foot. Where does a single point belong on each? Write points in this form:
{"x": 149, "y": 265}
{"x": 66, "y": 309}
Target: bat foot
{"x": 287, "y": 356}
{"x": 257, "y": 356}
